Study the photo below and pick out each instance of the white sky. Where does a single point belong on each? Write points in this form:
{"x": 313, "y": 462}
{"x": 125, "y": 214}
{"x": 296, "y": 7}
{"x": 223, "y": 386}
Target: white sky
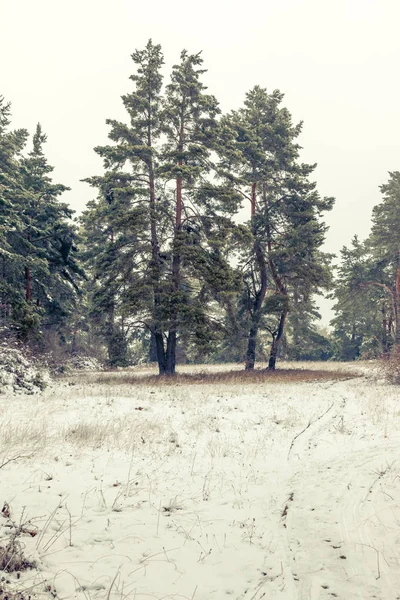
{"x": 66, "y": 64}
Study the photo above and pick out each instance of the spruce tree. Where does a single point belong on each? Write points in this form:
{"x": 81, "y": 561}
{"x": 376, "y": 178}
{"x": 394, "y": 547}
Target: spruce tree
{"x": 358, "y": 306}
{"x": 37, "y": 238}
{"x": 384, "y": 244}
{"x": 367, "y": 289}
{"x": 13, "y": 198}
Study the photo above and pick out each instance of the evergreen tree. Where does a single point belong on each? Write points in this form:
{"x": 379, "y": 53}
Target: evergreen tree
{"x": 162, "y": 218}
{"x": 204, "y": 202}
{"x": 368, "y": 287}
{"x": 285, "y": 210}
{"x": 363, "y": 321}
{"x": 37, "y": 238}
{"x": 13, "y": 198}
{"x": 305, "y": 340}
{"x": 384, "y": 245}
{"x": 127, "y": 216}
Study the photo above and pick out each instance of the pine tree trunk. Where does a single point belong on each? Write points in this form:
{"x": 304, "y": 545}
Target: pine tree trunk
{"x": 253, "y": 199}
{"x": 276, "y": 341}
{"x": 171, "y": 353}
{"x": 257, "y": 306}
{"x": 176, "y": 273}
{"x": 156, "y": 333}
{"x": 259, "y": 299}
{"x": 161, "y": 358}
{"x": 396, "y": 304}
{"x": 75, "y": 335}
{"x": 252, "y": 343}
{"x": 385, "y": 331}
{"x": 282, "y": 290}
{"x": 152, "y": 348}
{"x": 28, "y": 284}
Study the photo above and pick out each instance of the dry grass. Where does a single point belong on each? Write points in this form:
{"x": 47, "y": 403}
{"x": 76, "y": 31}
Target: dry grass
{"x": 12, "y": 558}
{"x": 390, "y": 367}
{"x": 8, "y": 594}
{"x": 236, "y": 377}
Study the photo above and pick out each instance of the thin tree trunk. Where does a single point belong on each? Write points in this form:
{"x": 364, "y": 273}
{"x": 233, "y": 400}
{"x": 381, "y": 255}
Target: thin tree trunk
{"x": 155, "y": 257}
{"x": 256, "y": 313}
{"x": 385, "y": 331}
{"x": 260, "y": 295}
{"x": 397, "y": 309}
{"x": 176, "y": 274}
{"x": 253, "y": 199}
{"x": 28, "y": 284}
{"x": 282, "y": 290}
{"x": 75, "y": 334}
{"x": 276, "y": 341}
{"x": 176, "y": 268}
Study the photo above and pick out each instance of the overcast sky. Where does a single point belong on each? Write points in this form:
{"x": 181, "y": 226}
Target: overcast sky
{"x": 66, "y": 64}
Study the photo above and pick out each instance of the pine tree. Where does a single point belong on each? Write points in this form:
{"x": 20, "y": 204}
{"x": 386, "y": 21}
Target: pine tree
{"x": 285, "y": 210}
{"x": 359, "y": 306}
{"x": 384, "y": 244}
{"x": 39, "y": 269}
{"x": 128, "y": 213}
{"x": 13, "y": 198}
{"x": 167, "y": 223}
{"x": 367, "y": 289}
{"x": 52, "y": 272}
{"x": 204, "y": 201}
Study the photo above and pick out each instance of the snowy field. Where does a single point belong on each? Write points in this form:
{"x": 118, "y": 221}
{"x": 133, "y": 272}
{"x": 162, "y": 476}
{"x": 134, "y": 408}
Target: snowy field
{"x": 283, "y": 489}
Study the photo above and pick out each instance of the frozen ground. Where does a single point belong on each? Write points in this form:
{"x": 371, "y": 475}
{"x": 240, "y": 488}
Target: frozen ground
{"x": 275, "y": 490}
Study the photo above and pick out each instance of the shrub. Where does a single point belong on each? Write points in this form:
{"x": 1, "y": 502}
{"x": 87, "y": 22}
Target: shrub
{"x": 391, "y": 366}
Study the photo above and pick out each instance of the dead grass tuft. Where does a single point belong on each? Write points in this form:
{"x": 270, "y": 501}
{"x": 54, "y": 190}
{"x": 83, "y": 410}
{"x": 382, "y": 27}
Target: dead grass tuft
{"x": 8, "y": 594}
{"x": 12, "y": 558}
{"x": 224, "y": 377}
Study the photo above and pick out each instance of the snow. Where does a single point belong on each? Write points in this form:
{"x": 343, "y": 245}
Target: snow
{"x": 19, "y": 373}
{"x": 205, "y": 492}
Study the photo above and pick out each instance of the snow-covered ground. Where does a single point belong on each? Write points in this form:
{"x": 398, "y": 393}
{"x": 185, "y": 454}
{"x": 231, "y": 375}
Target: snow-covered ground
{"x": 268, "y": 490}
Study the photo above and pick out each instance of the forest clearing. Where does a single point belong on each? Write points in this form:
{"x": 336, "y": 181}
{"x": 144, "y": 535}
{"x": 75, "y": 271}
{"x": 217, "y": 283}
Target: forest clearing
{"x": 119, "y": 487}
{"x": 199, "y": 300}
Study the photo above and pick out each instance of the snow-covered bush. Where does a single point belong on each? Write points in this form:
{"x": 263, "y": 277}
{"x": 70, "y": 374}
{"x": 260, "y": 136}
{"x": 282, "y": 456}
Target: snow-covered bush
{"x": 65, "y": 364}
{"x": 84, "y": 363}
{"x": 19, "y": 373}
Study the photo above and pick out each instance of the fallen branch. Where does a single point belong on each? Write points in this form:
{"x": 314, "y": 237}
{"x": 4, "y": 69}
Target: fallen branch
{"x": 305, "y": 428}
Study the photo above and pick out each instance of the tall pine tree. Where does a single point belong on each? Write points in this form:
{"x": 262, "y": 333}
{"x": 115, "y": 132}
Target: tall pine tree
{"x": 285, "y": 211}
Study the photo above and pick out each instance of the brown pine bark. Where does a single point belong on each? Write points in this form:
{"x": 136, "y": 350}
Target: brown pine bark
{"x": 156, "y": 331}
{"x": 396, "y": 307}
{"x": 253, "y": 199}
{"x": 256, "y": 312}
{"x": 260, "y": 295}
{"x": 277, "y": 338}
{"x": 176, "y": 264}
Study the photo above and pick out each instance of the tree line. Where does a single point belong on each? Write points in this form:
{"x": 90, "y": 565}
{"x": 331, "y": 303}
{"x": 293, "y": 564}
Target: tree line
{"x": 203, "y": 240}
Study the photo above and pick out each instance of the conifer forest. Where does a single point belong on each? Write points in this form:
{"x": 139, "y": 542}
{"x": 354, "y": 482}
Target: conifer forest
{"x": 203, "y": 241}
